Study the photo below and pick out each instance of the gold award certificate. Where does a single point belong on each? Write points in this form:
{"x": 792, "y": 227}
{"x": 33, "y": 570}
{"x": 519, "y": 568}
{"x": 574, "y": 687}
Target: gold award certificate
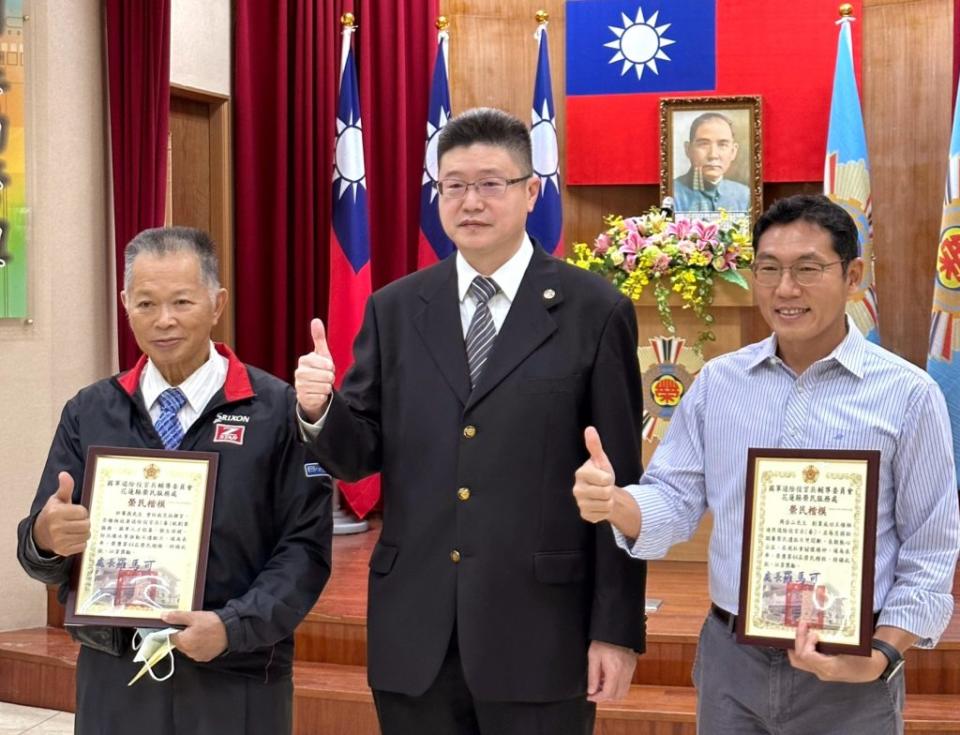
{"x": 150, "y": 513}
{"x": 809, "y": 537}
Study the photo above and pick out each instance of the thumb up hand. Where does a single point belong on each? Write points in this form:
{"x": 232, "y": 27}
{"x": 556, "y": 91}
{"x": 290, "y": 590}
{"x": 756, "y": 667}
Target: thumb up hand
{"x": 597, "y": 456}
{"x": 319, "y": 335}
{"x": 314, "y": 376}
{"x": 62, "y": 527}
{"x": 594, "y": 486}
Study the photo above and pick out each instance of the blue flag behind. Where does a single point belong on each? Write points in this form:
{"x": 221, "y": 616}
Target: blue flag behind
{"x": 350, "y": 283}
{"x": 350, "y": 221}
{"x": 846, "y": 176}
{"x": 434, "y": 243}
{"x": 649, "y": 54}
{"x": 943, "y": 361}
{"x": 545, "y": 222}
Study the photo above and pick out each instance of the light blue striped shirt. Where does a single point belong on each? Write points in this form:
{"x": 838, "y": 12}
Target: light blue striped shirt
{"x": 858, "y": 397}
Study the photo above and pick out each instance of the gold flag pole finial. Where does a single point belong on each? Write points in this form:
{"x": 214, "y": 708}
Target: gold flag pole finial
{"x": 542, "y": 16}
{"x": 347, "y": 20}
{"x": 846, "y": 10}
{"x": 443, "y": 23}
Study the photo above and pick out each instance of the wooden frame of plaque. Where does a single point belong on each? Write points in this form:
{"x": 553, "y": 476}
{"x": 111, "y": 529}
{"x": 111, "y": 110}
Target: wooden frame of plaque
{"x": 150, "y": 517}
{"x": 809, "y": 541}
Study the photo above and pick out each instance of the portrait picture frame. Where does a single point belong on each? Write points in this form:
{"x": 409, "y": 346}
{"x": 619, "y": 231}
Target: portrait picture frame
{"x": 723, "y": 180}
{"x": 809, "y": 541}
{"x": 151, "y": 514}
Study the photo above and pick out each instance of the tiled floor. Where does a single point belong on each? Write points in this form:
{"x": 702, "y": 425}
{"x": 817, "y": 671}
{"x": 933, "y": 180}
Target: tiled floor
{"x": 18, "y": 720}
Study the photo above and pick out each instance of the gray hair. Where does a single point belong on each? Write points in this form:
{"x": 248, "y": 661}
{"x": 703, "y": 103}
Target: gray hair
{"x": 161, "y": 241}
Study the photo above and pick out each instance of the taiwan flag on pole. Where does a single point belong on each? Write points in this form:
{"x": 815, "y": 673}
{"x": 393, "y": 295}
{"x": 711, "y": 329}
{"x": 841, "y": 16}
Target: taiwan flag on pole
{"x": 943, "y": 360}
{"x": 623, "y": 56}
{"x": 545, "y": 222}
{"x": 434, "y": 243}
{"x": 350, "y": 284}
{"x": 846, "y": 176}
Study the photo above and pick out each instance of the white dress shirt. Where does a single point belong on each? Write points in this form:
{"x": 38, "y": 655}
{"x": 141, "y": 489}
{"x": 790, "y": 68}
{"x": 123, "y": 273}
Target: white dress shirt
{"x": 507, "y": 277}
{"x": 199, "y": 388}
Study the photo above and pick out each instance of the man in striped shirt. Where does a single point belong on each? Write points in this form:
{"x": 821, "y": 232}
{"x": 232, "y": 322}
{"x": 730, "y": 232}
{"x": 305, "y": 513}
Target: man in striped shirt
{"x": 815, "y": 383}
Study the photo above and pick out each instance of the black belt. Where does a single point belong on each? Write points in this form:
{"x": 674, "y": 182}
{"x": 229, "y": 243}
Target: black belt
{"x": 728, "y": 619}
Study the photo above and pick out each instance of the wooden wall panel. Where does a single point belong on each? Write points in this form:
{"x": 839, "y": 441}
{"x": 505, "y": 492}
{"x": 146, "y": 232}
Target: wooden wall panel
{"x": 200, "y": 187}
{"x": 906, "y": 95}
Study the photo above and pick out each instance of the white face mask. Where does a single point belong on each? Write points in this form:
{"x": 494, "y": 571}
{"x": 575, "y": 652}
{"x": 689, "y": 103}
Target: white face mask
{"x": 152, "y": 646}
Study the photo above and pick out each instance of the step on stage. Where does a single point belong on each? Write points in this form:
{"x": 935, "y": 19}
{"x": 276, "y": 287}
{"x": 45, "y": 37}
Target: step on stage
{"x": 37, "y": 665}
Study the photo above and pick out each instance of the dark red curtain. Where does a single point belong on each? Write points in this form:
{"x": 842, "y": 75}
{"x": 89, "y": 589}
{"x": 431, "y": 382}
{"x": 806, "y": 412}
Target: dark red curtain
{"x": 138, "y": 64}
{"x": 286, "y": 63}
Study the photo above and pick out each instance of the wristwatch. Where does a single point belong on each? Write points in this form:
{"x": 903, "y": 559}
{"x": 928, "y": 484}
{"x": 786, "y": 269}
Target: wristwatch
{"x": 894, "y": 658}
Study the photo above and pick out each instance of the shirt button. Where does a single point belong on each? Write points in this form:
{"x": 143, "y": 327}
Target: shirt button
{"x": 455, "y": 556}
{"x": 463, "y": 493}
{"x": 469, "y": 431}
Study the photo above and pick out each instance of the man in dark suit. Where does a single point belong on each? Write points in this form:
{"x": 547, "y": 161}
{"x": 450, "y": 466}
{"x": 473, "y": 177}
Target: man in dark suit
{"x": 492, "y": 608}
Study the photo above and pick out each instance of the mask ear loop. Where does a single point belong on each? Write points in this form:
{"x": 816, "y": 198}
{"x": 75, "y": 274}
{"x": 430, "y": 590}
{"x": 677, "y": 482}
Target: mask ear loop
{"x": 173, "y": 663}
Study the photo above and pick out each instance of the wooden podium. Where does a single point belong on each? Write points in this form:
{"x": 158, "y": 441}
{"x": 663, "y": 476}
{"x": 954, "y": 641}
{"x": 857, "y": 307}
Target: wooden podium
{"x": 735, "y": 325}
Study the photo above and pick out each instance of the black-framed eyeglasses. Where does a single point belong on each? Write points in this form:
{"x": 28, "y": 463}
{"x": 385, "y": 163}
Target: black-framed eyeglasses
{"x": 490, "y": 187}
{"x": 805, "y": 273}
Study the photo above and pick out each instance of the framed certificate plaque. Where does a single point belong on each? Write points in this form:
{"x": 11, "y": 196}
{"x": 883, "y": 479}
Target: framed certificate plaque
{"x": 809, "y": 537}
{"x": 150, "y": 515}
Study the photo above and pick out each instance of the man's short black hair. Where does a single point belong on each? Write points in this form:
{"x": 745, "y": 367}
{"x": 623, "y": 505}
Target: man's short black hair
{"x": 488, "y": 126}
{"x": 818, "y": 210}
{"x": 706, "y": 117}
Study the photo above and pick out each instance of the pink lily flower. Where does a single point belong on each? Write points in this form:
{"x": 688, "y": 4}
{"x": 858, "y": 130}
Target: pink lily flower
{"x": 705, "y": 230}
{"x": 682, "y": 228}
{"x": 602, "y": 244}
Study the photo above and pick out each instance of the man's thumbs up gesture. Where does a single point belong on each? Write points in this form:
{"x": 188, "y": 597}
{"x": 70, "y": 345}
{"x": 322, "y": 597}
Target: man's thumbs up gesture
{"x": 314, "y": 376}
{"x": 598, "y": 498}
{"x": 62, "y": 527}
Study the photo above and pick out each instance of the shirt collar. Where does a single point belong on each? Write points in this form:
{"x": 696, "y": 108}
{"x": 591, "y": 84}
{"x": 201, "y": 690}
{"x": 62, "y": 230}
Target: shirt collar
{"x": 195, "y": 387}
{"x": 849, "y": 353}
{"x": 507, "y": 276}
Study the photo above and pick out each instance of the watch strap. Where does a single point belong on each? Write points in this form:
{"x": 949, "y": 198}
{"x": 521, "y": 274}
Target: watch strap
{"x": 894, "y": 657}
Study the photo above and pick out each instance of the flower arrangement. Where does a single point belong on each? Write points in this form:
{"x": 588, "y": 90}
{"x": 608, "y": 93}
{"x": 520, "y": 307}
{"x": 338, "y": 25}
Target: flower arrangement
{"x": 679, "y": 255}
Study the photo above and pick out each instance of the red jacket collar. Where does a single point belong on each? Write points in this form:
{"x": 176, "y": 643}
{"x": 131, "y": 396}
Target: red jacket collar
{"x": 236, "y": 386}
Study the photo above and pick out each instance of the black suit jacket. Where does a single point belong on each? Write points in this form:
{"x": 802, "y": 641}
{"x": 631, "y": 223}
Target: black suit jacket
{"x": 534, "y": 583}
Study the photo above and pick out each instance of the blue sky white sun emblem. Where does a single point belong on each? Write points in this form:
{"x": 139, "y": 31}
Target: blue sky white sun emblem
{"x": 639, "y": 43}
{"x": 348, "y": 170}
{"x": 430, "y": 165}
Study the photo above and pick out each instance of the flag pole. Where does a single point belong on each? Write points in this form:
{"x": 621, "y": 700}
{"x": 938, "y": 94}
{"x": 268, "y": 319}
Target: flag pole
{"x": 433, "y": 244}
{"x": 343, "y": 522}
{"x": 348, "y": 22}
{"x": 442, "y": 25}
{"x": 545, "y": 223}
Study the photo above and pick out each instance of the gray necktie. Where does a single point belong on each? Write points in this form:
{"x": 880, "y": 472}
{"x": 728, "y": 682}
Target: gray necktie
{"x": 480, "y": 335}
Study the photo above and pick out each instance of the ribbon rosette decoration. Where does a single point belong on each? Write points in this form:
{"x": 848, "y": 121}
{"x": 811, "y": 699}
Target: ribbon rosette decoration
{"x": 682, "y": 256}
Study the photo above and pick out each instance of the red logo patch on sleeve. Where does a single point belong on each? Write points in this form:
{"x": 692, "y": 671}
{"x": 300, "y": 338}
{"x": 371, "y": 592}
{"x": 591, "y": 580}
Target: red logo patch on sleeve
{"x": 227, "y": 434}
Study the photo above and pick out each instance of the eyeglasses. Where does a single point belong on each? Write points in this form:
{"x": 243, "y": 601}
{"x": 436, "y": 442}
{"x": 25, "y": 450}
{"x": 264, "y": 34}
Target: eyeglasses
{"x": 492, "y": 187}
{"x": 806, "y": 273}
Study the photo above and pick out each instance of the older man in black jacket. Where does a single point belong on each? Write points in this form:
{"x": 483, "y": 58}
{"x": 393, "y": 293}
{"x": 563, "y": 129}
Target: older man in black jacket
{"x": 270, "y": 540}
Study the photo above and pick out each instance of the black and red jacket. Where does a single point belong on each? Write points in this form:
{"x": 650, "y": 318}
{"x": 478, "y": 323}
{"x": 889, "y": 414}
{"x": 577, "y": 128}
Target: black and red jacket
{"x": 270, "y": 539}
